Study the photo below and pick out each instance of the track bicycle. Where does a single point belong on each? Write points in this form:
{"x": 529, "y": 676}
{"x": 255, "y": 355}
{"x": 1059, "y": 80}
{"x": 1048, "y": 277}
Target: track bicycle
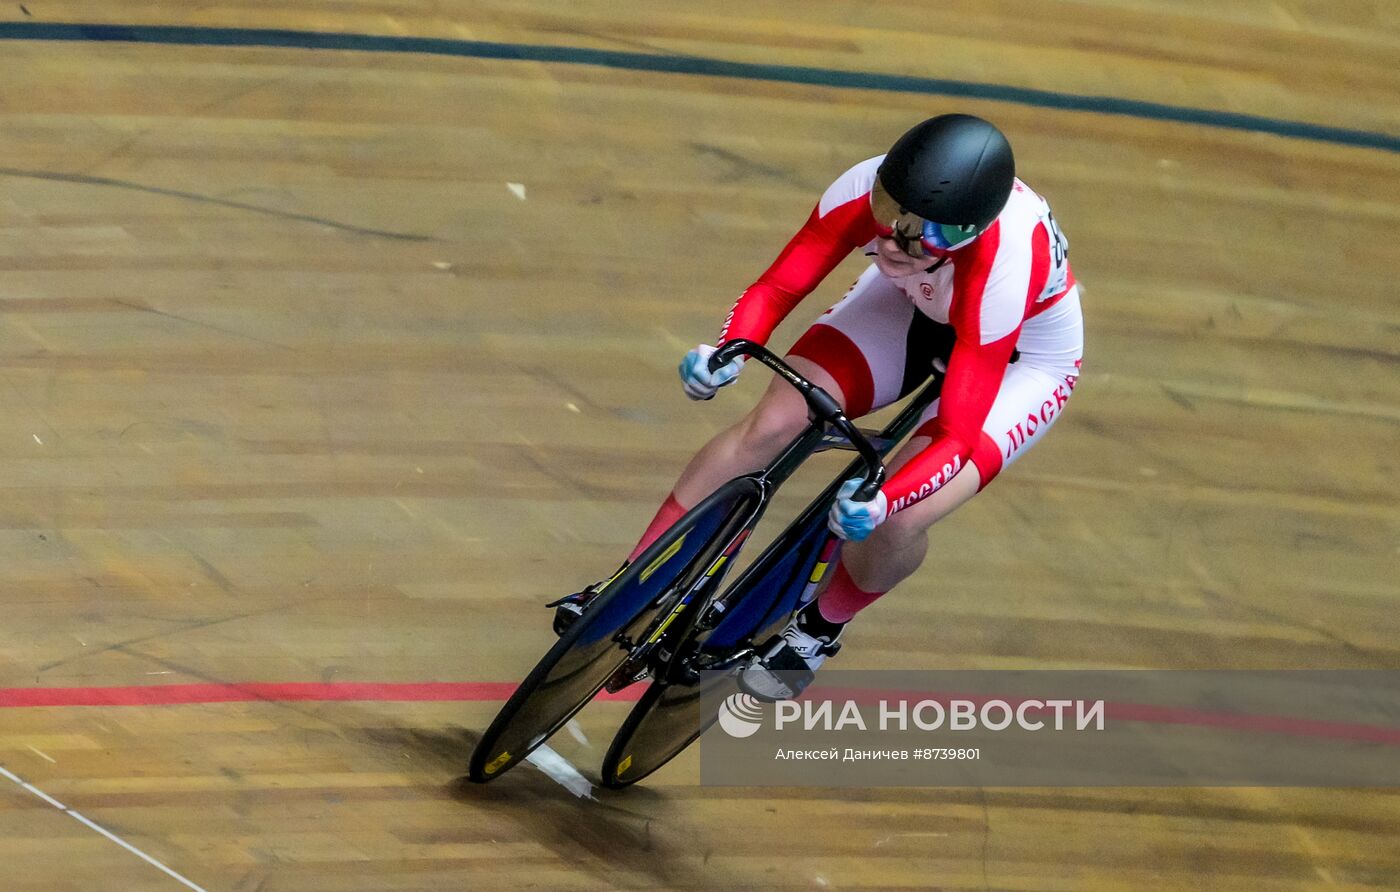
{"x": 663, "y": 616}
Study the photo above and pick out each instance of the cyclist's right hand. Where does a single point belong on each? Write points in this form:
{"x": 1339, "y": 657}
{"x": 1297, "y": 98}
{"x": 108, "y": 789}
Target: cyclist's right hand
{"x": 697, "y": 379}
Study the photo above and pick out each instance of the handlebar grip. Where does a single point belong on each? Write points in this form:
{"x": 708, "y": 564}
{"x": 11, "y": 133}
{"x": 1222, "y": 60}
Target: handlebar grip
{"x": 868, "y": 490}
{"x": 726, "y": 354}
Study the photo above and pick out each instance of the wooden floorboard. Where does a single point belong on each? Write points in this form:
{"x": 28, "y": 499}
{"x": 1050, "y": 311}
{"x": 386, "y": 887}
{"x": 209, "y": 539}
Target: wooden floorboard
{"x": 327, "y": 366}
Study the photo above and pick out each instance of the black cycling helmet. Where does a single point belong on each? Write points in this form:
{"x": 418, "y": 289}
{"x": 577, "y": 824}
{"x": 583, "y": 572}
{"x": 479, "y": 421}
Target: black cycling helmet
{"x": 954, "y": 170}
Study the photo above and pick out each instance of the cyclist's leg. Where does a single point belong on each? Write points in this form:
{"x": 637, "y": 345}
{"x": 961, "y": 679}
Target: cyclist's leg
{"x": 1027, "y": 405}
{"x": 778, "y": 417}
{"x": 898, "y": 546}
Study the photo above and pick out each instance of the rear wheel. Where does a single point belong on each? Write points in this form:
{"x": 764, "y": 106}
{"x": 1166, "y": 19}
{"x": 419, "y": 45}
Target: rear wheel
{"x": 629, "y": 611}
{"x": 667, "y": 719}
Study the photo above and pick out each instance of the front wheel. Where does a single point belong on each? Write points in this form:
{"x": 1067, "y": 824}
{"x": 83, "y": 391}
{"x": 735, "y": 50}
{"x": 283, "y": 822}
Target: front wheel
{"x": 600, "y": 641}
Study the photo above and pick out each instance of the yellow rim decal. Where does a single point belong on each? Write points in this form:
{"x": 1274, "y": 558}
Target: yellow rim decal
{"x": 495, "y": 764}
{"x": 623, "y": 766}
{"x": 817, "y": 572}
{"x": 715, "y": 569}
{"x": 665, "y": 556}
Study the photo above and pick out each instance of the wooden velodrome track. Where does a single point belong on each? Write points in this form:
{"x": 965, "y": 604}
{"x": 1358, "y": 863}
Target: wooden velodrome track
{"x": 298, "y": 389}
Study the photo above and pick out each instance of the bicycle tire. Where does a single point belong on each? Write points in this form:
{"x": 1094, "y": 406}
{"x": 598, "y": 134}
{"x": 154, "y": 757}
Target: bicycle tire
{"x": 580, "y": 663}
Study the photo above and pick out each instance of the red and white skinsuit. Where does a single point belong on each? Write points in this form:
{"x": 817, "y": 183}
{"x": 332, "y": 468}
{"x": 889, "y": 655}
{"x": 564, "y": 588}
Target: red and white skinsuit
{"x": 1010, "y": 289}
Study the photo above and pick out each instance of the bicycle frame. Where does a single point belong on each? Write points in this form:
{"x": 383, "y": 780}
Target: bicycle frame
{"x": 743, "y": 618}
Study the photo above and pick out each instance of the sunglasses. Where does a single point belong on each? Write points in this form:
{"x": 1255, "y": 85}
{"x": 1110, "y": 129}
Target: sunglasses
{"x": 913, "y": 234}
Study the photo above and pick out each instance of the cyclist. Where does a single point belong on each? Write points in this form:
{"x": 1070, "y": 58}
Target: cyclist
{"x": 970, "y": 275}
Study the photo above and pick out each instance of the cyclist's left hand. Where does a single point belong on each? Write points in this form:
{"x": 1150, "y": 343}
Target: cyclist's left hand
{"x": 854, "y": 520}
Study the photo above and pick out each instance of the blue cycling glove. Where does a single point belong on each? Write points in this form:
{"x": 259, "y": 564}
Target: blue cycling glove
{"x": 697, "y": 379}
{"x": 854, "y": 520}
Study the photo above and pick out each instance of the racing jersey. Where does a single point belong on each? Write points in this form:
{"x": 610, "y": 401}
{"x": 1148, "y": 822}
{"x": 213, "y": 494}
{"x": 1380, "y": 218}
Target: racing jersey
{"x": 990, "y": 292}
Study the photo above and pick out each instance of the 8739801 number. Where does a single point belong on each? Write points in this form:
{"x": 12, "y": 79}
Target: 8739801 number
{"x": 970, "y": 754}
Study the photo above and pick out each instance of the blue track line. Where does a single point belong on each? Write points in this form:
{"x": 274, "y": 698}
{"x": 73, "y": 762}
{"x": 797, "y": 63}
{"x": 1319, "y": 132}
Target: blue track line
{"x": 695, "y": 65}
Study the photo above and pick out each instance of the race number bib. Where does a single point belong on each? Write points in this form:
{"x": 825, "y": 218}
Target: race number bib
{"x": 1058, "y": 280}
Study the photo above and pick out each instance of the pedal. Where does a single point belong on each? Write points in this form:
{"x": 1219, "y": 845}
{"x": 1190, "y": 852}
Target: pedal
{"x": 568, "y": 610}
{"x": 778, "y": 674}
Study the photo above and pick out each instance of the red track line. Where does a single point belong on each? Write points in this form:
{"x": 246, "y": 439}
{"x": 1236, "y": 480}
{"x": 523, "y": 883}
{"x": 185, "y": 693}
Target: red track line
{"x": 479, "y": 691}
{"x": 176, "y": 694}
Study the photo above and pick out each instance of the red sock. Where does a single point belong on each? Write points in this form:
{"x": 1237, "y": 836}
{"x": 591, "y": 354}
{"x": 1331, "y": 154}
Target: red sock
{"x": 670, "y": 512}
{"x": 842, "y": 598}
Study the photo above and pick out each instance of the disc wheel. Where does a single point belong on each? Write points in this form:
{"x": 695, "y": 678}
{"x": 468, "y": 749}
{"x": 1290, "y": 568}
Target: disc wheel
{"x": 629, "y": 610}
{"x": 667, "y": 719}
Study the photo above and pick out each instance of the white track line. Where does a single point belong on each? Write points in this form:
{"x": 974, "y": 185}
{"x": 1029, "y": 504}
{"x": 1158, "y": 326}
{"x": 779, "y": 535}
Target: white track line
{"x": 560, "y": 769}
{"x": 576, "y": 731}
{"x": 99, "y": 828}
{"x": 43, "y": 755}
